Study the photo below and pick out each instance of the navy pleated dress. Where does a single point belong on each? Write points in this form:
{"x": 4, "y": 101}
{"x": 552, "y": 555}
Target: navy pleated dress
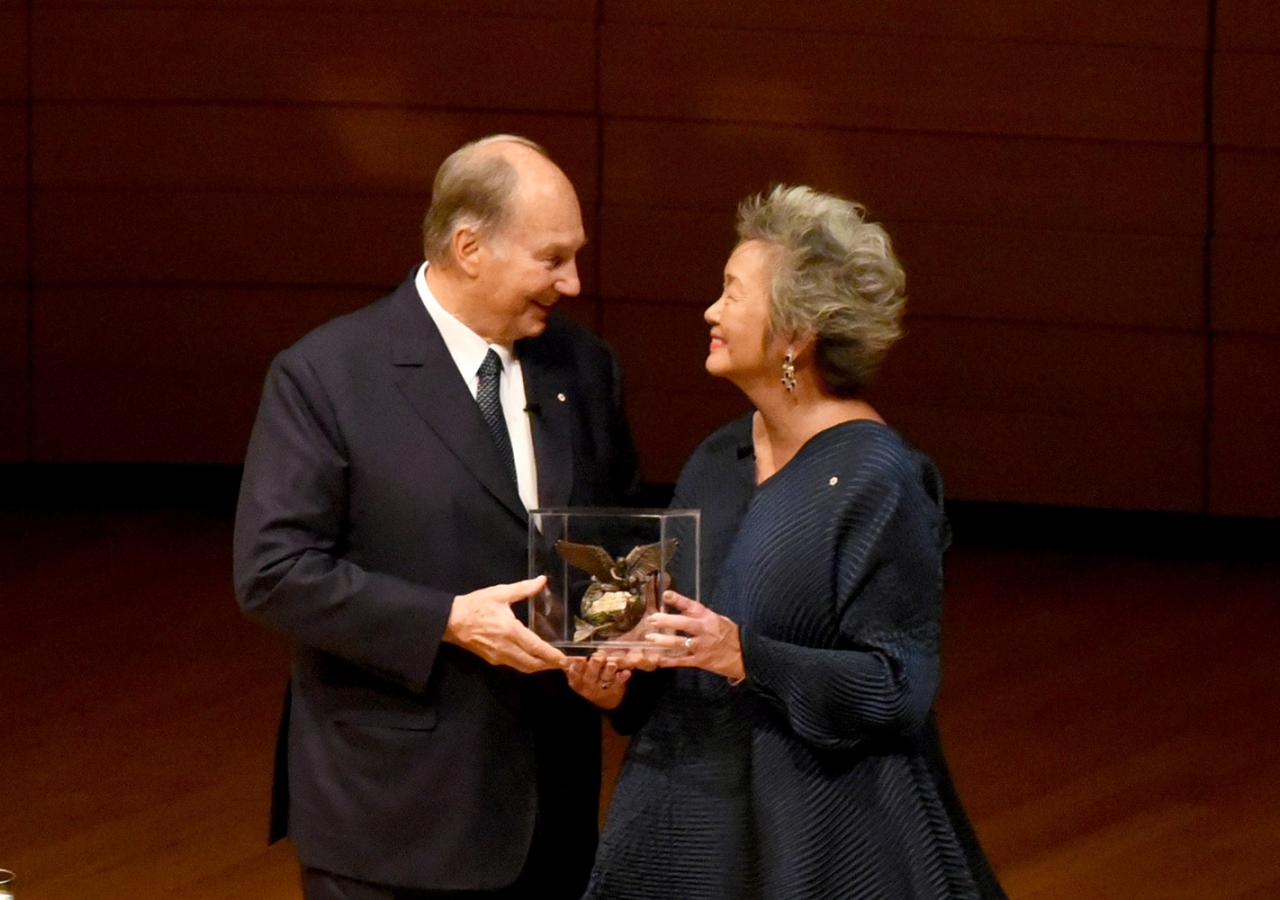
{"x": 820, "y": 776}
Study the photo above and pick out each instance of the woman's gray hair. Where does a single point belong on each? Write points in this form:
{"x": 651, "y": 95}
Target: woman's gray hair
{"x": 471, "y": 189}
{"x": 835, "y": 277}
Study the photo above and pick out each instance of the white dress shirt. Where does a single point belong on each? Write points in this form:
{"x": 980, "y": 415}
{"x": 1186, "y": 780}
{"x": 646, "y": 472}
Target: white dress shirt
{"x": 468, "y": 350}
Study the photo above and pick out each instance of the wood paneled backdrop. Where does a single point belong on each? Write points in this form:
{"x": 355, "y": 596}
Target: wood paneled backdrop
{"x": 1086, "y": 195}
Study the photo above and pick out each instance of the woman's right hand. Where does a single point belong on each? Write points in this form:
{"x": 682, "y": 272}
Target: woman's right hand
{"x": 598, "y": 678}
{"x": 710, "y": 640}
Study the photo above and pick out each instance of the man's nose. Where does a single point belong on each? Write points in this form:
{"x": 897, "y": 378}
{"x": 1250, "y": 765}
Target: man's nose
{"x": 568, "y": 284}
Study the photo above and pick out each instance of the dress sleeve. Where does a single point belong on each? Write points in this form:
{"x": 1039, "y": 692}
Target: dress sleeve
{"x": 289, "y": 570}
{"x": 644, "y": 689}
{"x": 879, "y": 677}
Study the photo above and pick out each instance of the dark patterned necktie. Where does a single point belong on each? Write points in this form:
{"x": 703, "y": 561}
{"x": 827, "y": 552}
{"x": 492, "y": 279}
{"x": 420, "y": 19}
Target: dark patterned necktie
{"x": 491, "y": 409}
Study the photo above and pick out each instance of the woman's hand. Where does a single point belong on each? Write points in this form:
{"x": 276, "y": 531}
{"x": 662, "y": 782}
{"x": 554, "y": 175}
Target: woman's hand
{"x": 711, "y": 640}
{"x": 597, "y": 678}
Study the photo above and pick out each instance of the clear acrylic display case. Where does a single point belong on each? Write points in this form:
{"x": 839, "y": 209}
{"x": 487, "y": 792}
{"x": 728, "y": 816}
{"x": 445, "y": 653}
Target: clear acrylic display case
{"x": 606, "y": 569}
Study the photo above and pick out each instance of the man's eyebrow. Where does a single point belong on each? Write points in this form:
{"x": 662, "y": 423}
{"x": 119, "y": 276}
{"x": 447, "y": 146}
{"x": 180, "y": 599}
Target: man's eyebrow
{"x": 564, "y": 247}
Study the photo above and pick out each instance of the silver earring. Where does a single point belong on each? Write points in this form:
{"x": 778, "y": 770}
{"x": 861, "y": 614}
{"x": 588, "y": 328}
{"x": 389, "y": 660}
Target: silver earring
{"x": 788, "y": 373}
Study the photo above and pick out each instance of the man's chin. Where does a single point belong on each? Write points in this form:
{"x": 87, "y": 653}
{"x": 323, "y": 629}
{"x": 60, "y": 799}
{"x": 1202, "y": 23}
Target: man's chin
{"x": 534, "y": 325}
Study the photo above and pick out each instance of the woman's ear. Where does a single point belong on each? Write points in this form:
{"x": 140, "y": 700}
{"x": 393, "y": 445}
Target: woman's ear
{"x": 802, "y": 347}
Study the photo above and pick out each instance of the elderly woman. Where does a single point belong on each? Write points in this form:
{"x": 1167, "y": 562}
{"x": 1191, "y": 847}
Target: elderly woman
{"x": 788, "y": 749}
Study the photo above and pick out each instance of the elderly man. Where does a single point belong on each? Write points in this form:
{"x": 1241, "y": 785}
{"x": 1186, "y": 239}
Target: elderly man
{"x": 382, "y": 526}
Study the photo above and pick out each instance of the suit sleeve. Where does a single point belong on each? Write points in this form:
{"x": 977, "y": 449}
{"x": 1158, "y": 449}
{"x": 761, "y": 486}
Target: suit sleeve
{"x": 289, "y": 569}
{"x": 881, "y": 679}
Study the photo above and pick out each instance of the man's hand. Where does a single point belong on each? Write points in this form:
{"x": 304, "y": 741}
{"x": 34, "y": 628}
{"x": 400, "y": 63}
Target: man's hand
{"x": 483, "y": 623}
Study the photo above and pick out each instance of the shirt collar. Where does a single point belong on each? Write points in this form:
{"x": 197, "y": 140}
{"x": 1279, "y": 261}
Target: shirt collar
{"x": 466, "y": 347}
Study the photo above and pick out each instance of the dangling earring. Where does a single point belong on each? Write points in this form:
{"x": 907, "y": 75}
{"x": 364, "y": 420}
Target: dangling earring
{"x": 789, "y": 373}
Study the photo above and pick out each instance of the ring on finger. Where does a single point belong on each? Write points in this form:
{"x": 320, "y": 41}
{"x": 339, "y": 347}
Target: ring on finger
{"x": 688, "y": 643}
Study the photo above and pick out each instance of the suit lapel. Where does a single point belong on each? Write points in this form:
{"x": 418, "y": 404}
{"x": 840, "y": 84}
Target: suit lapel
{"x": 428, "y": 378}
{"x": 549, "y": 392}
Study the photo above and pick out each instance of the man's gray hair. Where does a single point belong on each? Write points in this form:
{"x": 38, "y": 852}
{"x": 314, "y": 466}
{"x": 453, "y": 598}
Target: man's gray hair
{"x": 472, "y": 190}
{"x": 835, "y": 277}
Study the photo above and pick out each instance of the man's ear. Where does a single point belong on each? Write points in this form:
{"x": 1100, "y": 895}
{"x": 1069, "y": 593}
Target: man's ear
{"x": 467, "y": 249}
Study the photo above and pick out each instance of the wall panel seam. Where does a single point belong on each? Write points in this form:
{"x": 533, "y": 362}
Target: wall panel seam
{"x": 1207, "y": 286}
{"x": 891, "y": 222}
{"x": 277, "y": 103}
{"x": 31, "y": 234}
{"x": 622, "y": 24}
{"x": 880, "y": 129}
{"x": 381, "y": 287}
{"x": 614, "y": 300}
{"x": 598, "y": 200}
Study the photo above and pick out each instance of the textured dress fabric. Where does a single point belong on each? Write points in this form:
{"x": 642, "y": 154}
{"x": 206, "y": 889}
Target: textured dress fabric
{"x": 821, "y": 775}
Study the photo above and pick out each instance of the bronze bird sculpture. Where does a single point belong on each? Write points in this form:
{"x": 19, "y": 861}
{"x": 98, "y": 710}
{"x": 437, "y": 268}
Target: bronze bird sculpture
{"x": 614, "y": 601}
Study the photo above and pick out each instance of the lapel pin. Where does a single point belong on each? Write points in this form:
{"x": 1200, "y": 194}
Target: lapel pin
{"x": 560, "y": 397}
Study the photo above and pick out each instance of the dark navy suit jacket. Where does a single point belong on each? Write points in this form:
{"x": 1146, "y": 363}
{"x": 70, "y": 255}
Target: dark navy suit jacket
{"x": 372, "y": 495}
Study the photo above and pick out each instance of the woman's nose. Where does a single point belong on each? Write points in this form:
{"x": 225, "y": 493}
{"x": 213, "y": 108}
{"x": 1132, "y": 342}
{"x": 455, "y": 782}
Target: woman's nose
{"x": 712, "y": 313}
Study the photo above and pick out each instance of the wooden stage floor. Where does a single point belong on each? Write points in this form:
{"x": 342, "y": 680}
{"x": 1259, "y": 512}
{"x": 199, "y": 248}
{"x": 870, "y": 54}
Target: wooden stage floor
{"x": 1111, "y": 718}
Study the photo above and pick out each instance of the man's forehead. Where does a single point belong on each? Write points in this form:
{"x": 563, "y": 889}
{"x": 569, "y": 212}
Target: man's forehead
{"x": 541, "y": 185}
{"x": 553, "y": 215}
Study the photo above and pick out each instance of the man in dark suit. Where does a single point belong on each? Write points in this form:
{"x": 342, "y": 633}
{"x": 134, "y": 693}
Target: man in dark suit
{"x": 431, "y": 744}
